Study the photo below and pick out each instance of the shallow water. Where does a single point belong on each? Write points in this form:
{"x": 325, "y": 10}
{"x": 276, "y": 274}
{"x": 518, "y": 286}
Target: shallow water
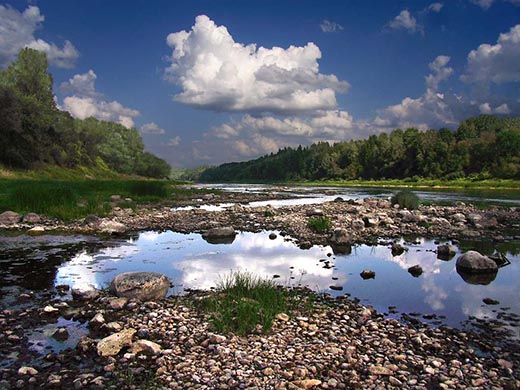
{"x": 192, "y": 263}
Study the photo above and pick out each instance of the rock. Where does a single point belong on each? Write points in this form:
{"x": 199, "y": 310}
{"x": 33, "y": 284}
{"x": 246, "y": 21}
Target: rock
{"x": 50, "y": 310}
{"x": 36, "y": 230}
{"x": 118, "y": 303}
{"x": 97, "y": 321}
{"x": 367, "y": 274}
{"x": 115, "y": 198}
{"x": 92, "y": 221}
{"x": 446, "y": 252}
{"x": 478, "y": 279}
{"x": 282, "y": 317}
{"x": 379, "y": 370}
{"x": 85, "y": 293}
{"x": 146, "y": 347}
{"x": 307, "y": 383}
{"x": 9, "y": 218}
{"x": 370, "y": 221}
{"x": 341, "y": 236}
{"x": 112, "y": 227}
{"x": 61, "y": 334}
{"x": 220, "y": 235}
{"x": 26, "y": 370}
{"x": 474, "y": 262}
{"x": 458, "y": 217}
{"x": 505, "y": 363}
{"x": 358, "y": 224}
{"x": 490, "y": 301}
{"x": 336, "y": 288}
{"x": 145, "y": 286}
{"x": 315, "y": 213}
{"x": 415, "y": 270}
{"x": 397, "y": 249}
{"x": 272, "y": 236}
{"x": 111, "y": 345}
{"x": 216, "y": 338}
{"x": 31, "y": 218}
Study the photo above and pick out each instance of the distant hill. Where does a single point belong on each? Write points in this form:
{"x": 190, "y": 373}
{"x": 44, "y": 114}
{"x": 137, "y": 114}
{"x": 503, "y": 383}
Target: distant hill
{"x": 485, "y": 146}
{"x": 35, "y": 133}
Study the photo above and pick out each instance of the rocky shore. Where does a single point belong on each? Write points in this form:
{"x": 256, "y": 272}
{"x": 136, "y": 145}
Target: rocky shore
{"x": 328, "y": 343}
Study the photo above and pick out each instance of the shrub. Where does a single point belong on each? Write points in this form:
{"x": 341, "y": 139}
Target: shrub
{"x": 319, "y": 225}
{"x": 242, "y": 301}
{"x": 406, "y": 199}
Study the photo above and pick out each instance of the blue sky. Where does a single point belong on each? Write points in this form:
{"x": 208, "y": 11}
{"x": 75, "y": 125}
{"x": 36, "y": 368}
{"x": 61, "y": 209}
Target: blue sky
{"x": 207, "y": 82}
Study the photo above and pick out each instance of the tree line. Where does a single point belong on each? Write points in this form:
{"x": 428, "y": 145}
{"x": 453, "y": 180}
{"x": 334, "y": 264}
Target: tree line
{"x": 35, "y": 133}
{"x": 483, "y": 147}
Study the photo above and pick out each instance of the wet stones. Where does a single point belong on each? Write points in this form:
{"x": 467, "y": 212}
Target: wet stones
{"x": 112, "y": 227}
{"x": 475, "y": 263}
{"x": 446, "y": 252}
{"x": 367, "y": 274}
{"x": 85, "y": 293}
{"x": 145, "y": 286}
{"x": 111, "y": 345}
{"x": 31, "y": 218}
{"x": 415, "y": 270}
{"x": 220, "y": 235}
{"x": 397, "y": 249}
{"x": 9, "y": 218}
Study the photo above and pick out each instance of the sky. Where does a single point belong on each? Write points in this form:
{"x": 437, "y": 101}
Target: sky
{"x": 208, "y": 82}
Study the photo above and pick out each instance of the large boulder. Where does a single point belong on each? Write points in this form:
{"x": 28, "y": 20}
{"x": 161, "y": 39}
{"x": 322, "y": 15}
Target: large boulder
{"x": 111, "y": 345}
{"x": 220, "y": 235}
{"x": 9, "y": 218}
{"x": 145, "y": 286}
{"x": 112, "y": 227}
{"x": 31, "y": 218}
{"x": 475, "y": 263}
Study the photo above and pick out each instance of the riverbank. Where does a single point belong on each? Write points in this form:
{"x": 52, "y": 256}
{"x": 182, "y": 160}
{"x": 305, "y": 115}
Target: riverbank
{"x": 330, "y": 343}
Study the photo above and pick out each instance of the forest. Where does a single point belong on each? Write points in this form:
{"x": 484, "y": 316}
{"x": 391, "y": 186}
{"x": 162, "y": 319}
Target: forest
{"x": 482, "y": 147}
{"x": 35, "y": 133}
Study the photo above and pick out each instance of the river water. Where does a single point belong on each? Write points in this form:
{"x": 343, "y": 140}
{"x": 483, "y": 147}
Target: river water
{"x": 439, "y": 296}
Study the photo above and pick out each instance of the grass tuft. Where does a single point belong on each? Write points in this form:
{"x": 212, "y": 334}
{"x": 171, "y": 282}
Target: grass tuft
{"x": 243, "y": 301}
{"x": 319, "y": 225}
{"x": 406, "y": 199}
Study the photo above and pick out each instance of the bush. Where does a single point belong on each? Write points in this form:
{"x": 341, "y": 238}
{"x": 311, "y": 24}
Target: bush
{"x": 319, "y": 225}
{"x": 242, "y": 301}
{"x": 406, "y": 199}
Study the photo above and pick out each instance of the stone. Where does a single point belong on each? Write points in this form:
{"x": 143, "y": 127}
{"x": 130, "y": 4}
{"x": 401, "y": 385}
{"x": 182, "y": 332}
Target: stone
{"x": 85, "y": 293}
{"x": 26, "y": 370}
{"x": 415, "y": 270}
{"x": 474, "y": 262}
{"x": 379, "y": 370}
{"x": 370, "y": 221}
{"x": 9, "y": 218}
{"x": 31, "y": 218}
{"x": 115, "y": 198}
{"x": 118, "y": 303}
{"x": 490, "y": 301}
{"x": 145, "y": 286}
{"x": 478, "y": 279}
{"x": 341, "y": 236}
{"x": 92, "y": 221}
{"x": 111, "y": 345}
{"x": 446, "y": 252}
{"x": 367, "y": 274}
{"x": 112, "y": 227}
{"x": 50, "y": 310}
{"x": 307, "y": 383}
{"x": 358, "y": 224}
{"x": 216, "y": 338}
{"x": 272, "y": 236}
{"x": 220, "y": 235}
{"x": 336, "y": 287}
{"x": 61, "y": 334}
{"x": 315, "y": 213}
{"x": 282, "y": 317}
{"x": 97, "y": 321}
{"x": 146, "y": 347}
{"x": 397, "y": 249}
{"x": 36, "y": 230}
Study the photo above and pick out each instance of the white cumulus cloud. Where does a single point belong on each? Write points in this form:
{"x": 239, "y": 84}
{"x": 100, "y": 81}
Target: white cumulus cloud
{"x": 215, "y": 72}
{"x": 175, "y": 141}
{"x": 484, "y": 4}
{"x": 17, "y": 31}
{"x": 435, "y": 7}
{"x": 86, "y": 102}
{"x": 152, "y": 128}
{"x": 405, "y": 21}
{"x": 497, "y": 63}
{"x": 327, "y": 26}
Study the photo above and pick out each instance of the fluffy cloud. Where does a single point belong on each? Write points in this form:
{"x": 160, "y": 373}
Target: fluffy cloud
{"x": 495, "y": 63}
{"x": 17, "y": 31}
{"x": 435, "y": 7}
{"x": 440, "y": 72}
{"x": 85, "y": 102}
{"x": 175, "y": 141}
{"x": 484, "y": 4}
{"x": 217, "y": 73}
{"x": 327, "y": 26}
{"x": 152, "y": 128}
{"x": 405, "y": 21}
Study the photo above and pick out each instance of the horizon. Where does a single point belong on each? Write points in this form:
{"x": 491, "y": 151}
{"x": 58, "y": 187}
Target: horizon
{"x": 208, "y": 83}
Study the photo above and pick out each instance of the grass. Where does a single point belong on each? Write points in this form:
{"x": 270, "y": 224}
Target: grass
{"x": 406, "y": 199}
{"x": 243, "y": 301}
{"x": 319, "y": 224}
{"x": 72, "y": 199}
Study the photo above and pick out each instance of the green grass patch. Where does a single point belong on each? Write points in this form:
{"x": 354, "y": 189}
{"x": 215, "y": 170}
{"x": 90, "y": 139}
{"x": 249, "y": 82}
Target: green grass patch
{"x": 242, "y": 301}
{"x": 406, "y": 199}
{"x": 73, "y": 199}
{"x": 319, "y": 224}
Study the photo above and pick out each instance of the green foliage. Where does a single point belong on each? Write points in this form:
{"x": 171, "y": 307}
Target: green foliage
{"x": 487, "y": 144}
{"x": 319, "y": 224}
{"x": 406, "y": 199}
{"x": 35, "y": 133}
{"x": 242, "y": 301}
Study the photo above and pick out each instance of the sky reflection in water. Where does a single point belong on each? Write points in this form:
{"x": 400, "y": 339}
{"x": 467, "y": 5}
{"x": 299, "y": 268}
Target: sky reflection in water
{"x": 191, "y": 262}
